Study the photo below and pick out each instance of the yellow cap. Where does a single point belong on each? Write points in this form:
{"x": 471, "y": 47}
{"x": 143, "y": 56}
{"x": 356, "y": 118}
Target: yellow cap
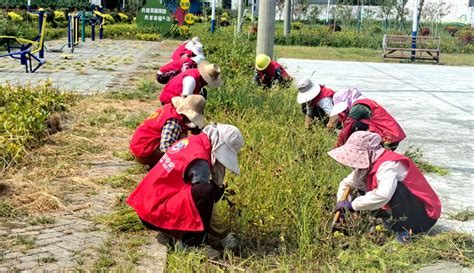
{"x": 262, "y": 61}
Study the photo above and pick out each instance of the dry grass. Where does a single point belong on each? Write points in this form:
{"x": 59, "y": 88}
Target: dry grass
{"x": 70, "y": 160}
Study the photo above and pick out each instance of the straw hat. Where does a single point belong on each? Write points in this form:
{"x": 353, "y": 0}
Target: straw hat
{"x": 356, "y": 152}
{"x": 211, "y": 73}
{"x": 307, "y": 91}
{"x": 192, "y": 107}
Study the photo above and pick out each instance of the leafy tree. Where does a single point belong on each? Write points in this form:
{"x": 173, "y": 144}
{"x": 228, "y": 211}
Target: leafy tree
{"x": 386, "y": 9}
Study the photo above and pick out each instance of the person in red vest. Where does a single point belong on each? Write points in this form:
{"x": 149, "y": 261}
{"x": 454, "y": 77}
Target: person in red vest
{"x": 177, "y": 196}
{"x": 316, "y": 102}
{"x": 174, "y": 67}
{"x": 268, "y": 71}
{"x": 166, "y": 126}
{"x": 187, "y": 49}
{"x": 362, "y": 114}
{"x": 394, "y": 187}
{"x": 191, "y": 82}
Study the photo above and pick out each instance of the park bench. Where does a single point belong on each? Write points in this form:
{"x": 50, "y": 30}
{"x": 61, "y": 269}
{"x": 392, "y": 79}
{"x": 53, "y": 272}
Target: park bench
{"x": 399, "y": 47}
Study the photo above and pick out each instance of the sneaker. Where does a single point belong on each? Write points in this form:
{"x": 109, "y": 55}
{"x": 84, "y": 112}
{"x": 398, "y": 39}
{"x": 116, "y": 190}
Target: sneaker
{"x": 211, "y": 253}
{"x": 230, "y": 242}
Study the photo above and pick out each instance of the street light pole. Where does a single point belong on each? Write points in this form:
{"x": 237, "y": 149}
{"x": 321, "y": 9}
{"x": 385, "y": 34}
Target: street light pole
{"x": 287, "y": 18}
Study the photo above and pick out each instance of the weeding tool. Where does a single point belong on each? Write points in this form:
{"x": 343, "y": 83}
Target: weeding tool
{"x": 345, "y": 195}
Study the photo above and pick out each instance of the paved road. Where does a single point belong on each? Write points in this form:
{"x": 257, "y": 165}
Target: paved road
{"x": 434, "y": 105}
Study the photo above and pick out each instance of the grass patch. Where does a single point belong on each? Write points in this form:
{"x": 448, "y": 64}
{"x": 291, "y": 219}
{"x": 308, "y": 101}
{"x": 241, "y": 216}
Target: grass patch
{"x": 24, "y": 241}
{"x": 358, "y": 54}
{"x": 7, "y": 210}
{"x": 48, "y": 260}
{"x": 105, "y": 260}
{"x": 125, "y": 155}
{"x": 42, "y": 220}
{"x": 132, "y": 121}
{"x": 123, "y": 220}
{"x": 462, "y": 216}
{"x": 146, "y": 90}
{"x": 416, "y": 154}
{"x": 24, "y": 116}
{"x": 120, "y": 181}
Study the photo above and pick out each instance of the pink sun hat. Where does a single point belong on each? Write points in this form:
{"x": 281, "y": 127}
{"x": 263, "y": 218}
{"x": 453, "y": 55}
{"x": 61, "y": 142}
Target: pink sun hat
{"x": 359, "y": 151}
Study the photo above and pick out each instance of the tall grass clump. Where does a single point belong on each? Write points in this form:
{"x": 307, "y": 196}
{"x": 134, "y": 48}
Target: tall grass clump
{"x": 25, "y": 118}
{"x": 281, "y": 204}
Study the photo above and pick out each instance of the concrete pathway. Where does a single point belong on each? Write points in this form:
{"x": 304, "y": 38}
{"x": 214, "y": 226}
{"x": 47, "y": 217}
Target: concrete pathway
{"x": 434, "y": 104}
{"x": 93, "y": 67}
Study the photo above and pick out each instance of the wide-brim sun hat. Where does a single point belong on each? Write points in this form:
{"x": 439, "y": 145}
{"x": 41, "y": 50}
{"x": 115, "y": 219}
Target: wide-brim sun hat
{"x": 211, "y": 73}
{"x": 338, "y": 108}
{"x": 262, "y": 61}
{"x": 198, "y": 58}
{"x": 307, "y": 90}
{"x": 355, "y": 152}
{"x": 196, "y": 40}
{"x": 228, "y": 147}
{"x": 192, "y": 107}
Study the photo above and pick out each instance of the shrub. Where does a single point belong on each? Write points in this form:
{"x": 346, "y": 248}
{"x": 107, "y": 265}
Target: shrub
{"x": 466, "y": 36}
{"x": 59, "y": 15}
{"x": 148, "y": 36}
{"x": 15, "y": 17}
{"x": 24, "y": 116}
{"x": 296, "y": 25}
{"x": 123, "y": 17}
{"x": 109, "y": 19}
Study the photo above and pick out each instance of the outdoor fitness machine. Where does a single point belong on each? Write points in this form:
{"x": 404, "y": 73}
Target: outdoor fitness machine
{"x": 27, "y": 49}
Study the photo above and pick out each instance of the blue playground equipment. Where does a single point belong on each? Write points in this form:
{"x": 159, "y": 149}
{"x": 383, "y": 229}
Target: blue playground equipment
{"x": 25, "y": 50}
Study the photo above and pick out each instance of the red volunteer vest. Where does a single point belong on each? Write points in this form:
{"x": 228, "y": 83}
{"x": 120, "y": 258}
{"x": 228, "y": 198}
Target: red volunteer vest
{"x": 180, "y": 51}
{"x": 270, "y": 71}
{"x": 381, "y": 123}
{"x": 177, "y": 65}
{"x": 146, "y": 139}
{"x": 174, "y": 87}
{"x": 415, "y": 182}
{"x": 163, "y": 198}
{"x": 324, "y": 93}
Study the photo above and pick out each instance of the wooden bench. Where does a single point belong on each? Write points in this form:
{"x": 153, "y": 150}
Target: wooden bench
{"x": 399, "y": 47}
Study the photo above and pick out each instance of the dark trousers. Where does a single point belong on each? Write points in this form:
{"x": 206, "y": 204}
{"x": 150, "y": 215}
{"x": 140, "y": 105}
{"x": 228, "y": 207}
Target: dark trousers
{"x": 408, "y": 213}
{"x": 203, "y": 196}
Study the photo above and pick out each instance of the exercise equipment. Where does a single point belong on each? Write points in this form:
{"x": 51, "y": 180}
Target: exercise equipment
{"x": 27, "y": 50}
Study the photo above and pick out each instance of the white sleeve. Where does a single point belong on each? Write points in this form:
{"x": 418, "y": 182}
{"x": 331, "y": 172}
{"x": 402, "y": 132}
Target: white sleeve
{"x": 188, "y": 86}
{"x": 388, "y": 175}
{"x": 346, "y": 182}
{"x": 326, "y": 105}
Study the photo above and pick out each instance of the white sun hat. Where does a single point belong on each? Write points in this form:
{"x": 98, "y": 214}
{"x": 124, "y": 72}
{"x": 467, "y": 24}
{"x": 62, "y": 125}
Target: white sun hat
{"x": 338, "y": 108}
{"x": 307, "y": 90}
{"x": 226, "y": 141}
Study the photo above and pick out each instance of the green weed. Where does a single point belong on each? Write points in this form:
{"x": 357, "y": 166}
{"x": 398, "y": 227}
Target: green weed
{"x": 416, "y": 154}
{"x": 132, "y": 121}
{"x": 120, "y": 181}
{"x": 42, "y": 220}
{"x": 145, "y": 91}
{"x": 48, "y": 260}
{"x": 463, "y": 216}
{"x": 125, "y": 155}
{"x": 105, "y": 260}
{"x": 9, "y": 211}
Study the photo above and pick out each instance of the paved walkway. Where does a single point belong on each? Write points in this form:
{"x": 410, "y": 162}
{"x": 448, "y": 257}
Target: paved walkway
{"x": 434, "y": 104}
{"x": 93, "y": 67}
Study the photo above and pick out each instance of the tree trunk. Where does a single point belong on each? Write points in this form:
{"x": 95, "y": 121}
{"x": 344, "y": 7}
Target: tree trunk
{"x": 266, "y": 27}
{"x": 287, "y": 18}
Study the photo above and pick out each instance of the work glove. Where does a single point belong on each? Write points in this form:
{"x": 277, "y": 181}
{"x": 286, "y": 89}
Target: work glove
{"x": 308, "y": 122}
{"x": 344, "y": 206}
{"x": 332, "y": 124}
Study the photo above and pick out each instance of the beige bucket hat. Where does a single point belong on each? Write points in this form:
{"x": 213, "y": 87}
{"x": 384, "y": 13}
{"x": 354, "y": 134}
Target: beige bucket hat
{"x": 226, "y": 141}
{"x": 196, "y": 39}
{"x": 211, "y": 73}
{"x": 307, "y": 90}
{"x": 192, "y": 107}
